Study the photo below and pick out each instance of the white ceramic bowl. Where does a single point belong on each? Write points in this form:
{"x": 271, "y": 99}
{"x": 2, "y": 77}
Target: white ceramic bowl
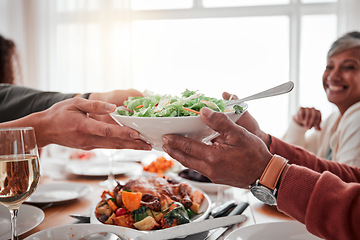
{"x": 153, "y": 128}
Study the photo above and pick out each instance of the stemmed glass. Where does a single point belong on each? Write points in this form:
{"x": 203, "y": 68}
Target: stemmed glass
{"x": 19, "y": 168}
{"x": 110, "y": 182}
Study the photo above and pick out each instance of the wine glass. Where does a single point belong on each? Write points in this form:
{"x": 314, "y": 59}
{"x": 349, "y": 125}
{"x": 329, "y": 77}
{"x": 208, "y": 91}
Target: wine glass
{"x": 110, "y": 182}
{"x": 19, "y": 168}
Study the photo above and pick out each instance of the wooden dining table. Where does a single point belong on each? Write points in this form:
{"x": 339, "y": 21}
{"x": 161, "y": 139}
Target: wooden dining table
{"x": 59, "y": 214}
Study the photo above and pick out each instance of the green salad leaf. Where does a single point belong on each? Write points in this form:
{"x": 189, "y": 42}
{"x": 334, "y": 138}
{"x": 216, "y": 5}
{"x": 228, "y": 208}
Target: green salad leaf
{"x": 188, "y": 104}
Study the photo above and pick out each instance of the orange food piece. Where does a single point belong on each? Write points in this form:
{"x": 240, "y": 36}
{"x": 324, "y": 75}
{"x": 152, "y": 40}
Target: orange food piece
{"x": 112, "y": 205}
{"x": 197, "y": 197}
{"x": 160, "y": 165}
{"x": 131, "y": 200}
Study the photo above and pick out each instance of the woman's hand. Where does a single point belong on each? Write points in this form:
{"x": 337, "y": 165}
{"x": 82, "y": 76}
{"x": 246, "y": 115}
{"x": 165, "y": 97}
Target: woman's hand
{"x": 308, "y": 117}
{"x": 238, "y": 160}
{"x": 116, "y": 97}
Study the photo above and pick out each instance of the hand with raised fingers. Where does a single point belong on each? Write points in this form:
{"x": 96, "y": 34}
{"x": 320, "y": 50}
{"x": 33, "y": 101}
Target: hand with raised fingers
{"x": 238, "y": 160}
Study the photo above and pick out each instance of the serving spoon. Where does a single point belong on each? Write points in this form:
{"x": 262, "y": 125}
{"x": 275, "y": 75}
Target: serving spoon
{"x": 280, "y": 89}
{"x": 173, "y": 232}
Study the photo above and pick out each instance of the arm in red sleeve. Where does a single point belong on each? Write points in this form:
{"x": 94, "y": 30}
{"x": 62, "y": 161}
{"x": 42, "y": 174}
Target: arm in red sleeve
{"x": 328, "y": 206}
{"x": 299, "y": 156}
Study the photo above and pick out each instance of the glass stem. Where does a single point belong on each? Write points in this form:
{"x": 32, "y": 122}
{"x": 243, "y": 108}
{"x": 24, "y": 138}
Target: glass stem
{"x": 13, "y": 215}
{"x": 220, "y": 195}
{"x": 111, "y": 177}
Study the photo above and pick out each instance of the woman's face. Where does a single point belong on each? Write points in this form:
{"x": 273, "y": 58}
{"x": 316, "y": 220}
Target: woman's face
{"x": 341, "y": 79}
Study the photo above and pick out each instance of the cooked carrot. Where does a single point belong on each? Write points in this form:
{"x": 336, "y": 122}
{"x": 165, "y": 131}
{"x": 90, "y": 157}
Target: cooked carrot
{"x": 112, "y": 205}
{"x": 131, "y": 200}
{"x": 140, "y": 106}
{"x": 190, "y": 110}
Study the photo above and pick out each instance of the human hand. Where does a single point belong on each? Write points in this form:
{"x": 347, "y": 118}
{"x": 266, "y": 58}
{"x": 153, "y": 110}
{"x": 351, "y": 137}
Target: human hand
{"x": 237, "y": 161}
{"x": 308, "y": 117}
{"x": 116, "y": 97}
{"x": 67, "y": 123}
{"x": 249, "y": 123}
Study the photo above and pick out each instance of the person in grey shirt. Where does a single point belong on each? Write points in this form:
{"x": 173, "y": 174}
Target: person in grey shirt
{"x": 69, "y": 119}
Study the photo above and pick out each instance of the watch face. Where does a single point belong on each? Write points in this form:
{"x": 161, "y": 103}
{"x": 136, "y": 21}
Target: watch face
{"x": 263, "y": 194}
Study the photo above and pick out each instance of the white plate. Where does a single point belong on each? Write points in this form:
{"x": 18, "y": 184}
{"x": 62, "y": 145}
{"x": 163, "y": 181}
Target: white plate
{"x": 136, "y": 155}
{"x": 205, "y": 208}
{"x": 59, "y": 192}
{"x": 28, "y": 218}
{"x": 101, "y": 168}
{"x": 289, "y": 230}
{"x": 76, "y": 231}
{"x": 207, "y": 187}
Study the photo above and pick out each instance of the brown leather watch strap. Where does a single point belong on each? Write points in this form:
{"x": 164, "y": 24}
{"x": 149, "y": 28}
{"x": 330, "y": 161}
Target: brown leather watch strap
{"x": 272, "y": 172}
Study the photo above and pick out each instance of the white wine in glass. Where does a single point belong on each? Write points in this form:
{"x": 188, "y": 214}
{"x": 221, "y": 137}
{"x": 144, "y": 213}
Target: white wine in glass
{"x": 19, "y": 168}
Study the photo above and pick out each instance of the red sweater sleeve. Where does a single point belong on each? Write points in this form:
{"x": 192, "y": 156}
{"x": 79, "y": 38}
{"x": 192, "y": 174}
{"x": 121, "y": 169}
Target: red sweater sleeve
{"x": 299, "y": 156}
{"x": 327, "y": 204}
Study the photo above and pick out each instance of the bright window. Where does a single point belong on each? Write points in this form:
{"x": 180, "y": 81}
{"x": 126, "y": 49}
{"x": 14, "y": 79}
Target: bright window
{"x": 242, "y": 47}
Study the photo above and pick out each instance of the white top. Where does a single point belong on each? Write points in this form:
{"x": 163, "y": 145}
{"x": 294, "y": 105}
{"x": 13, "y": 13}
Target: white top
{"x": 342, "y": 134}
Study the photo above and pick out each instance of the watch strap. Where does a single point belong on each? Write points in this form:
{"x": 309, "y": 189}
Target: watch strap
{"x": 86, "y": 95}
{"x": 273, "y": 171}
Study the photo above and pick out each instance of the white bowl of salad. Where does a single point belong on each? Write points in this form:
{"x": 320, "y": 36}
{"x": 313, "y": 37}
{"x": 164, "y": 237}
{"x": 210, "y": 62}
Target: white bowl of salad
{"x": 155, "y": 115}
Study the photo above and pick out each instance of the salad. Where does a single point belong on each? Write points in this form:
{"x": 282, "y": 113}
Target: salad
{"x": 189, "y": 104}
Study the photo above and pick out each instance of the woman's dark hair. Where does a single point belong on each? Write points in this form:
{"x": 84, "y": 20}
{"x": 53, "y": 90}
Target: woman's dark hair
{"x": 7, "y": 58}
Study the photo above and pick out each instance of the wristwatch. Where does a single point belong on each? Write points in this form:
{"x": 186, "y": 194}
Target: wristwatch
{"x": 265, "y": 188}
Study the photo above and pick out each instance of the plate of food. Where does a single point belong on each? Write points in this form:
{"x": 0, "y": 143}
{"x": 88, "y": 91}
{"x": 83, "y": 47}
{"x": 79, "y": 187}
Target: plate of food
{"x": 28, "y": 218}
{"x": 59, "y": 192}
{"x": 200, "y": 181}
{"x": 100, "y": 169}
{"x": 273, "y": 231}
{"x": 162, "y": 165}
{"x": 151, "y": 203}
{"x": 154, "y": 115}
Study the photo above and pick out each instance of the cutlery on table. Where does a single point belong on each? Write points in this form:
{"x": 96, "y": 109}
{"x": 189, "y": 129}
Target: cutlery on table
{"x": 223, "y": 209}
{"x": 81, "y": 218}
{"x": 237, "y": 210}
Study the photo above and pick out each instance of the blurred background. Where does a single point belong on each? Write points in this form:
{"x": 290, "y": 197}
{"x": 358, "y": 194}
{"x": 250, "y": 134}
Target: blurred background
{"x": 167, "y": 46}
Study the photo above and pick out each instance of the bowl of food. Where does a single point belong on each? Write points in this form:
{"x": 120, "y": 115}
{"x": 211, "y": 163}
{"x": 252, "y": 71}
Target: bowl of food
{"x": 155, "y": 115}
{"x": 151, "y": 203}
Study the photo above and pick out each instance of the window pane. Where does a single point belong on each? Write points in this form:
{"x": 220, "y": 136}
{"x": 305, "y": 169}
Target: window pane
{"x": 317, "y": 1}
{"x": 160, "y": 4}
{"x": 78, "y": 54}
{"x": 238, "y": 3}
{"x": 238, "y": 55}
{"x": 77, "y": 5}
{"x": 315, "y": 45}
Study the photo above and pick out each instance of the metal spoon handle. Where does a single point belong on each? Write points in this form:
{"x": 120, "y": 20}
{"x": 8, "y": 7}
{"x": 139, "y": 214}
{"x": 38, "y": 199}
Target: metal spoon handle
{"x": 192, "y": 228}
{"x": 281, "y": 89}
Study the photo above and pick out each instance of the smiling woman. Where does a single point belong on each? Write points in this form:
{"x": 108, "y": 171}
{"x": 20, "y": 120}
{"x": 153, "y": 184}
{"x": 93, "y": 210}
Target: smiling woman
{"x": 337, "y": 138}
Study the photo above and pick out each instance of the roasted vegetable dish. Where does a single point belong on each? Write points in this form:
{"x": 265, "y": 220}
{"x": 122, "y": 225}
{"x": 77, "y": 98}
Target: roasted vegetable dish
{"x": 149, "y": 203}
